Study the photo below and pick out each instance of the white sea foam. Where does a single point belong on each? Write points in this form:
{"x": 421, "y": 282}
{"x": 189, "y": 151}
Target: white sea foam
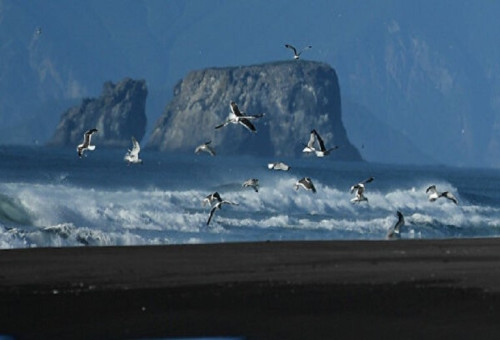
{"x": 60, "y": 214}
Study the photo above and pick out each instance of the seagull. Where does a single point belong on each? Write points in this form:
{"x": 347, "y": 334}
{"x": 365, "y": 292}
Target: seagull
{"x": 323, "y": 151}
{"x": 132, "y": 156}
{"x": 86, "y": 142}
{"x": 278, "y": 166}
{"x": 360, "y": 189}
{"x": 296, "y": 55}
{"x": 434, "y": 194}
{"x": 212, "y": 198}
{"x": 305, "y": 183}
{"x": 252, "y": 182}
{"x": 237, "y": 117}
{"x": 394, "y": 231}
{"x": 218, "y": 205}
{"x": 205, "y": 147}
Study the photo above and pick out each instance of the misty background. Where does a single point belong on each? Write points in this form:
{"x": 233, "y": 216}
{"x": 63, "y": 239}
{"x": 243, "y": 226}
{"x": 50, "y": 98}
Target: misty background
{"x": 419, "y": 81}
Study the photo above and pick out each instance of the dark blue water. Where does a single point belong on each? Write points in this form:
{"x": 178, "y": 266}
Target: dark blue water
{"x": 50, "y": 197}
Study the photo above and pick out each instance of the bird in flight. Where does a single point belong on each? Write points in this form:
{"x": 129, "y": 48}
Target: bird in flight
{"x": 206, "y": 147}
{"x": 238, "y": 117}
{"x": 296, "y": 54}
{"x": 395, "y": 230}
{"x": 132, "y": 155}
{"x": 305, "y": 183}
{"x": 360, "y": 189}
{"x": 320, "y": 150}
{"x": 86, "y": 143}
{"x": 434, "y": 194}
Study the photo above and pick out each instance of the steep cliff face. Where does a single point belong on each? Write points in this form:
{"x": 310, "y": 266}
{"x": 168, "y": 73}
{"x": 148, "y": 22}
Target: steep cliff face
{"x": 296, "y": 96}
{"x": 118, "y": 114}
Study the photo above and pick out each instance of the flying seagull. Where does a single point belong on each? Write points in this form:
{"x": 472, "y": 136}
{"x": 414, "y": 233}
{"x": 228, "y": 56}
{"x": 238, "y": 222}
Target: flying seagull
{"x": 278, "y": 166}
{"x": 132, "y": 155}
{"x": 238, "y": 117}
{"x": 305, "y": 183}
{"x": 296, "y": 55}
{"x": 86, "y": 143}
{"x": 205, "y": 147}
{"x": 320, "y": 150}
{"x": 395, "y": 230}
{"x": 434, "y": 194}
{"x": 252, "y": 182}
{"x": 360, "y": 189}
{"x": 210, "y": 199}
{"x": 218, "y": 205}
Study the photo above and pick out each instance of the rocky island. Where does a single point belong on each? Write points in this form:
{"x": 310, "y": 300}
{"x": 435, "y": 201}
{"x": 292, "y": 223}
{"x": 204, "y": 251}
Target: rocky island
{"x": 119, "y": 113}
{"x": 296, "y": 97}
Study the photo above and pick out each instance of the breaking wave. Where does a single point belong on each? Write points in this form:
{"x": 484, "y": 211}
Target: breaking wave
{"x": 62, "y": 214}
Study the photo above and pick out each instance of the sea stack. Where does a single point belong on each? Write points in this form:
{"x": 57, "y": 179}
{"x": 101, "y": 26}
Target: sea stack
{"x": 294, "y": 96}
{"x": 119, "y": 113}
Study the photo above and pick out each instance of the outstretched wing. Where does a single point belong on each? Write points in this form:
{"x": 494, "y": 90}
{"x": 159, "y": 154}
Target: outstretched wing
{"x": 320, "y": 141}
{"x": 368, "y": 180}
{"x": 431, "y": 190}
{"x": 305, "y": 48}
{"x": 235, "y": 110}
{"x": 292, "y": 48}
{"x": 450, "y": 196}
{"x": 136, "y": 148}
{"x": 223, "y": 124}
{"x": 212, "y": 211}
{"x": 400, "y": 223}
{"x": 312, "y": 140}
{"x": 246, "y": 123}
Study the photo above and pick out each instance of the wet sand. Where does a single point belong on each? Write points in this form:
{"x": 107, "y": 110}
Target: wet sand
{"x": 446, "y": 289}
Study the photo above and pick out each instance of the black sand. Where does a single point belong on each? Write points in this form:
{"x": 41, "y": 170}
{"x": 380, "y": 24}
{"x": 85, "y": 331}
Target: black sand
{"x": 446, "y": 289}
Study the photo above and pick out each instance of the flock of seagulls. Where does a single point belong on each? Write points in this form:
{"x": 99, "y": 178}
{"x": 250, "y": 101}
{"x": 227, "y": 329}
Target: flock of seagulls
{"x": 315, "y": 145}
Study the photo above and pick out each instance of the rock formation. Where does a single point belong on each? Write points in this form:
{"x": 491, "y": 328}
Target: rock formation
{"x": 296, "y": 96}
{"x": 118, "y": 114}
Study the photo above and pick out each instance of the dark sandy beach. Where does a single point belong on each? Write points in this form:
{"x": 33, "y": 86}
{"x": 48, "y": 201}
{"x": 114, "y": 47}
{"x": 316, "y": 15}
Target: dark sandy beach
{"x": 446, "y": 289}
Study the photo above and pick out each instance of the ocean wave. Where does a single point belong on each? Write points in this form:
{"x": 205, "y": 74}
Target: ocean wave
{"x": 60, "y": 214}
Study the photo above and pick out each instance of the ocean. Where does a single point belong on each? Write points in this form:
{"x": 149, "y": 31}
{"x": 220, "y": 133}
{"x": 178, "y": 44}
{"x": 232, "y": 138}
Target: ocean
{"x": 51, "y": 198}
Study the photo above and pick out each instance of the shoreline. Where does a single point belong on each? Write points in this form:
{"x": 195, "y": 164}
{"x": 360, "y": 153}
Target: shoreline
{"x": 262, "y": 290}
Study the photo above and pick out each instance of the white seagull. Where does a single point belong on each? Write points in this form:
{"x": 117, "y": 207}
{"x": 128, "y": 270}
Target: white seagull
{"x": 132, "y": 156}
{"x": 296, "y": 55}
{"x": 434, "y": 194}
{"x": 278, "y": 166}
{"x": 360, "y": 189}
{"x": 305, "y": 183}
{"x": 86, "y": 142}
{"x": 210, "y": 199}
{"x": 252, "y": 182}
{"x": 321, "y": 150}
{"x": 395, "y": 230}
{"x": 238, "y": 117}
{"x": 218, "y": 205}
{"x": 206, "y": 148}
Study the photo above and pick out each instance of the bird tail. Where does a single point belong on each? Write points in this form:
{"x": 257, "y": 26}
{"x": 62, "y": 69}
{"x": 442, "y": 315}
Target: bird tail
{"x": 91, "y": 147}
